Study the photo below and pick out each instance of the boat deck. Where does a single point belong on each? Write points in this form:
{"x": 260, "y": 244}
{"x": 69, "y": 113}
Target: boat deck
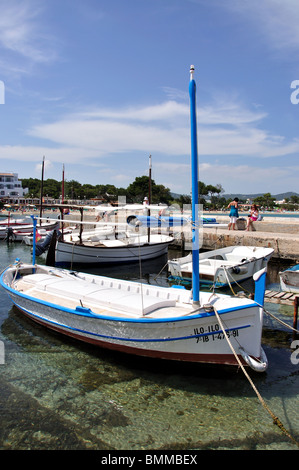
{"x": 129, "y": 300}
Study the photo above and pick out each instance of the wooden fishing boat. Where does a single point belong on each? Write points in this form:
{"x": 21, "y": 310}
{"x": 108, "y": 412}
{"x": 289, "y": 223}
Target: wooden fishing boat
{"x": 105, "y": 251}
{"x": 136, "y": 318}
{"x": 18, "y": 232}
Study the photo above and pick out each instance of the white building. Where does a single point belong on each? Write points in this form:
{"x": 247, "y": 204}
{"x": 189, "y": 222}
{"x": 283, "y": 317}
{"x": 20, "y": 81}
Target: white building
{"x": 11, "y": 188}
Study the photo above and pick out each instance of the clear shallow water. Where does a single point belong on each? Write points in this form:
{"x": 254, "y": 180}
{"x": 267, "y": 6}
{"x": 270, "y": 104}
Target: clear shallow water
{"x": 57, "y": 393}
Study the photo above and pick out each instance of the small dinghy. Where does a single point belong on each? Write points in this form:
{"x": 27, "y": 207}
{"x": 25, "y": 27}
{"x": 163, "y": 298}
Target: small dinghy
{"x": 223, "y": 266}
{"x": 289, "y": 279}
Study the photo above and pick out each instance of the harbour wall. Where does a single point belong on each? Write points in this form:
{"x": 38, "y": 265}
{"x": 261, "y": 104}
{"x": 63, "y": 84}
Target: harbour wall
{"x": 281, "y": 234}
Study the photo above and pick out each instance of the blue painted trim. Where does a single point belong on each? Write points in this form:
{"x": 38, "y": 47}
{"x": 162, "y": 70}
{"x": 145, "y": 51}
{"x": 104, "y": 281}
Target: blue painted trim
{"x": 260, "y": 287}
{"x": 161, "y": 221}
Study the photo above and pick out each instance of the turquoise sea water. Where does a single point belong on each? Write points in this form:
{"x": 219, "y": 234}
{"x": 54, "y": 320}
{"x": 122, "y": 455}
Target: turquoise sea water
{"x": 59, "y": 394}
{"x": 264, "y": 214}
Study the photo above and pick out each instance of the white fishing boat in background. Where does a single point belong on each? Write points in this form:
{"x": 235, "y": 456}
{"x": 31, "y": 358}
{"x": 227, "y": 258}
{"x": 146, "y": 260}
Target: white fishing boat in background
{"x": 289, "y": 279}
{"x": 223, "y": 266}
{"x": 146, "y": 320}
{"x": 109, "y": 241}
{"x": 18, "y": 232}
{"x": 11, "y": 221}
{"x": 131, "y": 248}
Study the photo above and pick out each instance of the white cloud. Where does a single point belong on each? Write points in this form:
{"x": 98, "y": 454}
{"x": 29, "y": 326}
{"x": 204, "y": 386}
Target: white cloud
{"x": 277, "y": 20}
{"x": 222, "y": 130}
{"x": 23, "y": 35}
{"x": 102, "y": 137}
{"x": 243, "y": 178}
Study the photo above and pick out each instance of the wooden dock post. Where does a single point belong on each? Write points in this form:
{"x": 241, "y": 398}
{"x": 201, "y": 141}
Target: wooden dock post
{"x": 295, "y": 315}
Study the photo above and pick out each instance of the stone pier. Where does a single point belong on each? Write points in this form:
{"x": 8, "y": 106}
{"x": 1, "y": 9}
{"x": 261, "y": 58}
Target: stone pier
{"x": 281, "y": 234}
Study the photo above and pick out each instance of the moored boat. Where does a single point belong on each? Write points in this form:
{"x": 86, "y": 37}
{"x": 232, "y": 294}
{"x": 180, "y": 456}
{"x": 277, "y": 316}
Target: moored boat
{"x": 18, "y": 232}
{"x": 289, "y": 279}
{"x": 131, "y": 317}
{"x": 223, "y": 266}
{"x": 105, "y": 251}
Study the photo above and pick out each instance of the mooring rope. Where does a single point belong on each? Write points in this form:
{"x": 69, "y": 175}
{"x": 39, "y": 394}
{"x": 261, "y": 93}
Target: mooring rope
{"x": 279, "y": 321}
{"x": 275, "y": 418}
{"x": 155, "y": 278}
{"x": 251, "y": 294}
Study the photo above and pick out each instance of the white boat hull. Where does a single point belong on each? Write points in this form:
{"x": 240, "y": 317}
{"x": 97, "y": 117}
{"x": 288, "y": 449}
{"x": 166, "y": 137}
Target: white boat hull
{"x": 135, "y": 318}
{"x": 20, "y": 231}
{"x": 111, "y": 251}
{"x": 223, "y": 266}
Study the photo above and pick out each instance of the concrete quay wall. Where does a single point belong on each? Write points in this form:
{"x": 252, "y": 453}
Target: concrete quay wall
{"x": 285, "y": 245}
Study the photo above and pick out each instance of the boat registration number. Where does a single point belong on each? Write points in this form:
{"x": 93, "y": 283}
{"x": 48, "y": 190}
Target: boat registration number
{"x": 213, "y": 333}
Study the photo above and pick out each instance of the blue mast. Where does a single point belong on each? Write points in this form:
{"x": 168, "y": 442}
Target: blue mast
{"x": 194, "y": 178}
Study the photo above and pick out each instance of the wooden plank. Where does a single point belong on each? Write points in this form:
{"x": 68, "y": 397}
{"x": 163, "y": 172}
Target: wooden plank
{"x": 279, "y": 295}
{"x": 288, "y": 295}
{"x": 270, "y": 294}
{"x": 286, "y": 298}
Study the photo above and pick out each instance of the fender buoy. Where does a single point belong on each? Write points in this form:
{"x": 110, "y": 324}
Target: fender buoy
{"x": 255, "y": 364}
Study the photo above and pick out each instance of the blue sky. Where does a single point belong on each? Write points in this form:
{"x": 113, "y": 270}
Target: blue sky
{"x": 99, "y": 85}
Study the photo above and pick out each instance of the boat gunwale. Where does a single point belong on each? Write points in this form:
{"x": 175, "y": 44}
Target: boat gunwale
{"x": 120, "y": 247}
{"x": 87, "y": 312}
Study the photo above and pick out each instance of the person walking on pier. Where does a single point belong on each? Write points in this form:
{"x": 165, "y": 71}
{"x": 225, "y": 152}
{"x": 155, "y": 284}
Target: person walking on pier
{"x": 234, "y": 214}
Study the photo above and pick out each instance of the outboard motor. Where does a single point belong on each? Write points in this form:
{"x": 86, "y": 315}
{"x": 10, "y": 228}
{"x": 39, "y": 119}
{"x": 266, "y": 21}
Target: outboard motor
{"x": 40, "y": 248}
{"x": 10, "y": 236}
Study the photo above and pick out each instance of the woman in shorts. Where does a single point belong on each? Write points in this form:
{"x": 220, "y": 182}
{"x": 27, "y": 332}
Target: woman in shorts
{"x": 234, "y": 214}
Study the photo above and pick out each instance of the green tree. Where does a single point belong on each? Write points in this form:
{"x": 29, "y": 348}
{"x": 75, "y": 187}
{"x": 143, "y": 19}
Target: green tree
{"x": 139, "y": 188}
{"x": 266, "y": 201}
{"x": 88, "y": 191}
{"x": 294, "y": 199}
{"x": 52, "y": 188}
{"x": 33, "y": 185}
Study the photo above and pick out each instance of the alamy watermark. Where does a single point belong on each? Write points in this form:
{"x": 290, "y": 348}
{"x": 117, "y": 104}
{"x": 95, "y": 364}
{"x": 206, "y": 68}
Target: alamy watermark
{"x": 2, "y": 92}
{"x": 295, "y": 94}
{"x": 295, "y": 354}
{"x": 2, "y": 353}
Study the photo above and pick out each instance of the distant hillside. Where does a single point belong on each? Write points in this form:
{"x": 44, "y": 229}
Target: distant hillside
{"x": 278, "y": 197}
